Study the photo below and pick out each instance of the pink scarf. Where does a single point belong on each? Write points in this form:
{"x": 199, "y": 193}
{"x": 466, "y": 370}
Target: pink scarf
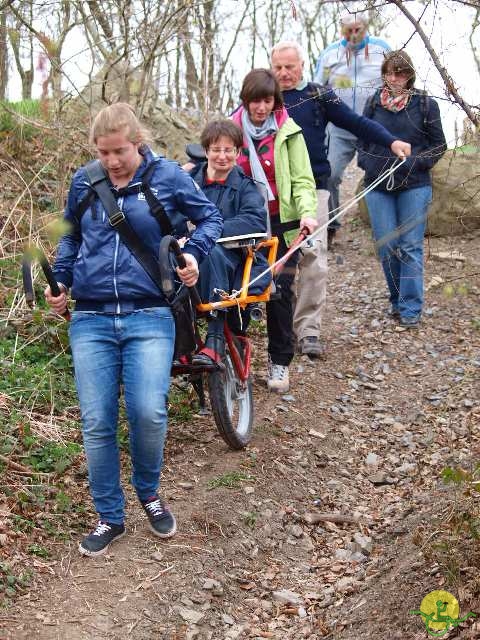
{"x": 394, "y": 103}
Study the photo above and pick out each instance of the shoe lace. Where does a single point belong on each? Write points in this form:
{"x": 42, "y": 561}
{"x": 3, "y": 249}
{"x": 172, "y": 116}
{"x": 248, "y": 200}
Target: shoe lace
{"x": 279, "y": 371}
{"x": 102, "y": 527}
{"x": 154, "y": 507}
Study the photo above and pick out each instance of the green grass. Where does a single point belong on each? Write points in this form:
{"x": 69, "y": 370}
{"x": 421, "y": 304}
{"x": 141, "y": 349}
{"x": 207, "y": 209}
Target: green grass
{"x": 10, "y": 583}
{"x": 250, "y": 519}
{"x": 23, "y": 525}
{"x": 181, "y": 405}
{"x": 39, "y": 550}
{"x": 468, "y": 148}
{"x": 231, "y": 480}
{"x": 35, "y": 371}
{"x": 31, "y": 109}
{"x": 52, "y": 457}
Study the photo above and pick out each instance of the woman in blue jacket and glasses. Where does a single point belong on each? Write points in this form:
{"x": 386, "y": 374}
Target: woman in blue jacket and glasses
{"x": 242, "y": 207}
{"x": 398, "y": 206}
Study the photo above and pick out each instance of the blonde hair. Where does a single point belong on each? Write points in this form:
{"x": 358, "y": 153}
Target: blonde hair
{"x": 116, "y": 118}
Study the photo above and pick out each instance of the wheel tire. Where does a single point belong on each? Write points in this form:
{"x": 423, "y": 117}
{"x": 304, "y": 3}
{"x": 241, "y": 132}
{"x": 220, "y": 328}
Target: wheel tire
{"x": 232, "y": 405}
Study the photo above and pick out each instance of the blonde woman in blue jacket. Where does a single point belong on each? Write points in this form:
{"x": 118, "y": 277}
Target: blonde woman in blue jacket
{"x": 122, "y": 329}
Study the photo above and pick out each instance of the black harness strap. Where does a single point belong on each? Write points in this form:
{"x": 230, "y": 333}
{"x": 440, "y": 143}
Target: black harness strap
{"x": 373, "y": 101}
{"x": 156, "y": 207}
{"x": 118, "y": 221}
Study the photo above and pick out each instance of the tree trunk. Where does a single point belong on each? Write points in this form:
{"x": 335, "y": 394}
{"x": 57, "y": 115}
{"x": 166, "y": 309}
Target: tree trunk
{"x": 178, "y": 93}
{"x": 3, "y": 56}
{"x": 26, "y": 75}
{"x": 27, "y": 83}
{"x": 191, "y": 77}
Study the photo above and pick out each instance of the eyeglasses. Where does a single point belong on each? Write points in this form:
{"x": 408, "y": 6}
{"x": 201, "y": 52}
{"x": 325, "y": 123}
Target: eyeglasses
{"x": 228, "y": 151}
{"x": 402, "y": 73}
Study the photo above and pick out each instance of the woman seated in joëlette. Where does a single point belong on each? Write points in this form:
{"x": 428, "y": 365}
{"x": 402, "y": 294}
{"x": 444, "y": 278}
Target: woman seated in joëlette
{"x": 242, "y": 206}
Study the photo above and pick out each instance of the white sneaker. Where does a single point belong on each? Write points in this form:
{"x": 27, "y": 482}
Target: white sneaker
{"x": 278, "y": 379}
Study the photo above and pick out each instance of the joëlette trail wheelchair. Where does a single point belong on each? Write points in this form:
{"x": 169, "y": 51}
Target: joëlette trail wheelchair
{"x": 228, "y": 382}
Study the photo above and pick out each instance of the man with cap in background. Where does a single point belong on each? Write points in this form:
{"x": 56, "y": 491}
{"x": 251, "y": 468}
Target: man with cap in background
{"x": 351, "y": 66}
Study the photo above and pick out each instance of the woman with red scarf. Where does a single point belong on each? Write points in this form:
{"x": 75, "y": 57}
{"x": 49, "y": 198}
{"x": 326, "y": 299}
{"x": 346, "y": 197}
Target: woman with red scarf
{"x": 398, "y": 206}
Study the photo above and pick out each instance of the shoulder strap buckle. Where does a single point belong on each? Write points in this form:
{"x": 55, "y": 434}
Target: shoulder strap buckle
{"x": 116, "y": 218}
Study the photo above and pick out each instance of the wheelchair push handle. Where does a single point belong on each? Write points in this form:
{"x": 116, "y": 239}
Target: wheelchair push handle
{"x": 49, "y": 277}
{"x": 168, "y": 245}
{"x": 195, "y": 152}
{"x": 178, "y": 253}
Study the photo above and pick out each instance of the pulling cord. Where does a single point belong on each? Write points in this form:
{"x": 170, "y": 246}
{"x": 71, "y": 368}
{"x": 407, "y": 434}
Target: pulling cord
{"x": 340, "y": 211}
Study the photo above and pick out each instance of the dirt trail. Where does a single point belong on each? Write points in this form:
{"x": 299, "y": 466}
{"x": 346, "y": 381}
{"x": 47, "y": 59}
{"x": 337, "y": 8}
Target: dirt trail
{"x": 364, "y": 433}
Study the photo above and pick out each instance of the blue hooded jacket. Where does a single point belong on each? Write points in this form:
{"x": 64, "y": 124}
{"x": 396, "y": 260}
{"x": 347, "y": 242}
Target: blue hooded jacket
{"x": 238, "y": 199}
{"x": 95, "y": 263}
{"x": 243, "y": 210}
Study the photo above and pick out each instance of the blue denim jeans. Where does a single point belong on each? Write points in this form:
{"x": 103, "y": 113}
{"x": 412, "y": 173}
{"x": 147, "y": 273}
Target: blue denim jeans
{"x": 136, "y": 349}
{"x": 398, "y": 223}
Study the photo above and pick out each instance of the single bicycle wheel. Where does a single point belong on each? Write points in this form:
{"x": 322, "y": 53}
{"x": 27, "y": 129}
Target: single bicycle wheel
{"x": 232, "y": 404}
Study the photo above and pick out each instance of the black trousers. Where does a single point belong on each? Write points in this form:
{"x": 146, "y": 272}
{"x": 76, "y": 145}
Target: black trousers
{"x": 281, "y": 339}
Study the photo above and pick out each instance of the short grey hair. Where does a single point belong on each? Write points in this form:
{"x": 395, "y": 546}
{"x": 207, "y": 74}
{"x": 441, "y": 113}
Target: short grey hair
{"x": 288, "y": 44}
{"x": 348, "y": 18}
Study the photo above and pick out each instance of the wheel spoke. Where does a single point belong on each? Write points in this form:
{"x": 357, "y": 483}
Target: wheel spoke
{"x": 232, "y": 405}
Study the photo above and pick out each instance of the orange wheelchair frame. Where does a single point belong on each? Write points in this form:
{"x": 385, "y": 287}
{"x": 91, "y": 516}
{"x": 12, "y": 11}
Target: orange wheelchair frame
{"x": 229, "y": 384}
{"x": 244, "y": 299}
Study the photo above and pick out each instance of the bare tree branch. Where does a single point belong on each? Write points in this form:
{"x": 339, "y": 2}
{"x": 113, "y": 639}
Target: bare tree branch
{"x": 4, "y": 5}
{"x": 450, "y": 87}
{"x": 475, "y": 25}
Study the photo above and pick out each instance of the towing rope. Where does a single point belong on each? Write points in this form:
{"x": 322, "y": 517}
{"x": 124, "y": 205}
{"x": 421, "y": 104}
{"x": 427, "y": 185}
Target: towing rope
{"x": 340, "y": 211}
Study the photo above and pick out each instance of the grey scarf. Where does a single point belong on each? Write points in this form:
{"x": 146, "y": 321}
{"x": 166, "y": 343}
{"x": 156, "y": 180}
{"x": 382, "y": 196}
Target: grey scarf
{"x": 252, "y": 133}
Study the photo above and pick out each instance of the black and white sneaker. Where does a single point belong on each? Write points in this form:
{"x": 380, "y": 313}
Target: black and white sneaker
{"x": 161, "y": 520}
{"x": 96, "y": 543}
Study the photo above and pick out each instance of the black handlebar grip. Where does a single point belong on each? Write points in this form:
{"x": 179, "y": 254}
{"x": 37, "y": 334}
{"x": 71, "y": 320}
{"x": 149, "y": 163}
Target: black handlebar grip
{"x": 182, "y": 263}
{"x": 47, "y": 270}
{"x": 170, "y": 244}
{"x": 27, "y": 280}
{"x": 177, "y": 252}
{"x": 53, "y": 284}
{"x": 50, "y": 278}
